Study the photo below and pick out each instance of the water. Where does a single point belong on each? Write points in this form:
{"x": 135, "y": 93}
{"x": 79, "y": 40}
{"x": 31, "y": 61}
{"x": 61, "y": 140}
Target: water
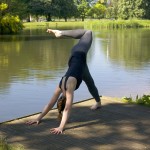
{"x": 32, "y": 63}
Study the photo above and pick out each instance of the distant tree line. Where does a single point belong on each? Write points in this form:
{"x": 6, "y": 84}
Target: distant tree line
{"x": 12, "y": 12}
{"x": 51, "y": 9}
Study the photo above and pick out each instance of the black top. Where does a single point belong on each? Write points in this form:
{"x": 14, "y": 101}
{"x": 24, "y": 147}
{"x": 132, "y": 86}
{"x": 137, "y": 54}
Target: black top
{"x": 76, "y": 64}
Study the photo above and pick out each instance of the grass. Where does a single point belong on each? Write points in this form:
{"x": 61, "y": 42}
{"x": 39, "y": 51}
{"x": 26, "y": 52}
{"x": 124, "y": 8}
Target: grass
{"x": 116, "y": 24}
{"x": 54, "y": 25}
{"x": 5, "y": 146}
{"x": 89, "y": 24}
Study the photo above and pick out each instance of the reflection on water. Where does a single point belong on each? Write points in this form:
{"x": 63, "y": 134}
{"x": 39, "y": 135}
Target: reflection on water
{"x": 32, "y": 63}
{"x": 39, "y": 58}
{"x": 130, "y": 47}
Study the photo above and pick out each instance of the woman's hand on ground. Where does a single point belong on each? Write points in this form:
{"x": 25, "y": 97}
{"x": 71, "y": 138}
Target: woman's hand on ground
{"x": 56, "y": 131}
{"x": 33, "y": 122}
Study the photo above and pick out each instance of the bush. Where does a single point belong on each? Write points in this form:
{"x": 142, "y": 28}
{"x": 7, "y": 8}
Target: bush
{"x": 10, "y": 24}
{"x": 144, "y": 100}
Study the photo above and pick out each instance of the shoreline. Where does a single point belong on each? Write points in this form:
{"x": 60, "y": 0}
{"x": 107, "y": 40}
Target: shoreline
{"x": 90, "y": 24}
{"x": 36, "y": 113}
{"x": 26, "y": 116}
{"x": 115, "y": 99}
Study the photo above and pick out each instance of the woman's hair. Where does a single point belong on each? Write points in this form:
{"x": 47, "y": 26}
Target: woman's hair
{"x": 60, "y": 106}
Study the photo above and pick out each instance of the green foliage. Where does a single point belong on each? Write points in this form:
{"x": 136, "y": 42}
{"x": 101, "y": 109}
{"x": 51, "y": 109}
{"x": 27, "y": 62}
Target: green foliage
{"x": 82, "y": 7}
{"x": 3, "y": 7}
{"x": 19, "y": 8}
{"x": 110, "y": 12}
{"x": 144, "y": 100}
{"x": 54, "y": 25}
{"x": 9, "y": 23}
{"x": 67, "y": 9}
{"x": 116, "y": 9}
{"x": 50, "y": 9}
{"x": 116, "y": 24}
{"x": 128, "y": 9}
{"x": 98, "y": 11}
{"x": 146, "y": 6}
{"x": 5, "y": 146}
{"x": 36, "y": 8}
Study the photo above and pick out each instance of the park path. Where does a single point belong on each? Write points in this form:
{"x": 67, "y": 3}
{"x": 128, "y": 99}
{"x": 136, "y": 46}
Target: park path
{"x": 116, "y": 126}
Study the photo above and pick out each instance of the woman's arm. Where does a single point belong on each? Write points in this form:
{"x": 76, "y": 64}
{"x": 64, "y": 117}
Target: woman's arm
{"x": 66, "y": 114}
{"x": 71, "y": 84}
{"x": 47, "y": 108}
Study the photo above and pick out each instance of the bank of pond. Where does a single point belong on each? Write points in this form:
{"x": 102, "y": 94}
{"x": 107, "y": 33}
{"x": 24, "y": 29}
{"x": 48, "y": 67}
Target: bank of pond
{"x": 90, "y": 24}
{"x": 13, "y": 25}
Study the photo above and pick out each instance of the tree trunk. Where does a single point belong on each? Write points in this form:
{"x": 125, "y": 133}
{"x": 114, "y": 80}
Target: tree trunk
{"x": 37, "y": 18}
{"x": 82, "y": 18}
{"x": 29, "y": 19}
{"x": 65, "y": 19}
{"x": 49, "y": 18}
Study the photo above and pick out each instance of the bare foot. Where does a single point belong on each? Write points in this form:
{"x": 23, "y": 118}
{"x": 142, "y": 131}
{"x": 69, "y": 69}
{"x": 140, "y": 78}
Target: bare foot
{"x": 56, "y": 32}
{"x": 96, "y": 106}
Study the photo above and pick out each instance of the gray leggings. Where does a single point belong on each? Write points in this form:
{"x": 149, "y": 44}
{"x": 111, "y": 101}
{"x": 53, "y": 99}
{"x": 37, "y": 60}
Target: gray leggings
{"x": 85, "y": 41}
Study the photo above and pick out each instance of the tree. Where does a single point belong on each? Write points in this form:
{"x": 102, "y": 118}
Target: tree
{"x": 36, "y": 7}
{"x": 82, "y": 7}
{"x": 19, "y": 8}
{"x": 52, "y": 8}
{"x": 8, "y": 23}
{"x": 112, "y": 9}
{"x": 3, "y": 7}
{"x": 146, "y": 6}
{"x": 138, "y": 11}
{"x": 98, "y": 11}
{"x": 66, "y": 9}
{"x": 130, "y": 9}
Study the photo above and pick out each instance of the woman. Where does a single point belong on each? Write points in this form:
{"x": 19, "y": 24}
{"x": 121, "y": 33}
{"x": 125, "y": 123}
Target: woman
{"x": 73, "y": 77}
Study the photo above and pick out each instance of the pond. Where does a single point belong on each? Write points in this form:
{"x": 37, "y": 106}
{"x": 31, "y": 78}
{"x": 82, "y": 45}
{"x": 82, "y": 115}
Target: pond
{"x": 32, "y": 63}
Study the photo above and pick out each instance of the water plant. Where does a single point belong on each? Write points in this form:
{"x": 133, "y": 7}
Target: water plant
{"x": 142, "y": 100}
{"x": 116, "y": 24}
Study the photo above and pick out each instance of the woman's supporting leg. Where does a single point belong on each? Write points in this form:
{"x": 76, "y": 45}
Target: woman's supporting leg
{"x": 84, "y": 45}
{"x": 87, "y": 78}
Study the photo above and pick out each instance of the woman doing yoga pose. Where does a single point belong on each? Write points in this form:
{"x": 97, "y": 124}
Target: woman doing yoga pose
{"x": 77, "y": 71}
